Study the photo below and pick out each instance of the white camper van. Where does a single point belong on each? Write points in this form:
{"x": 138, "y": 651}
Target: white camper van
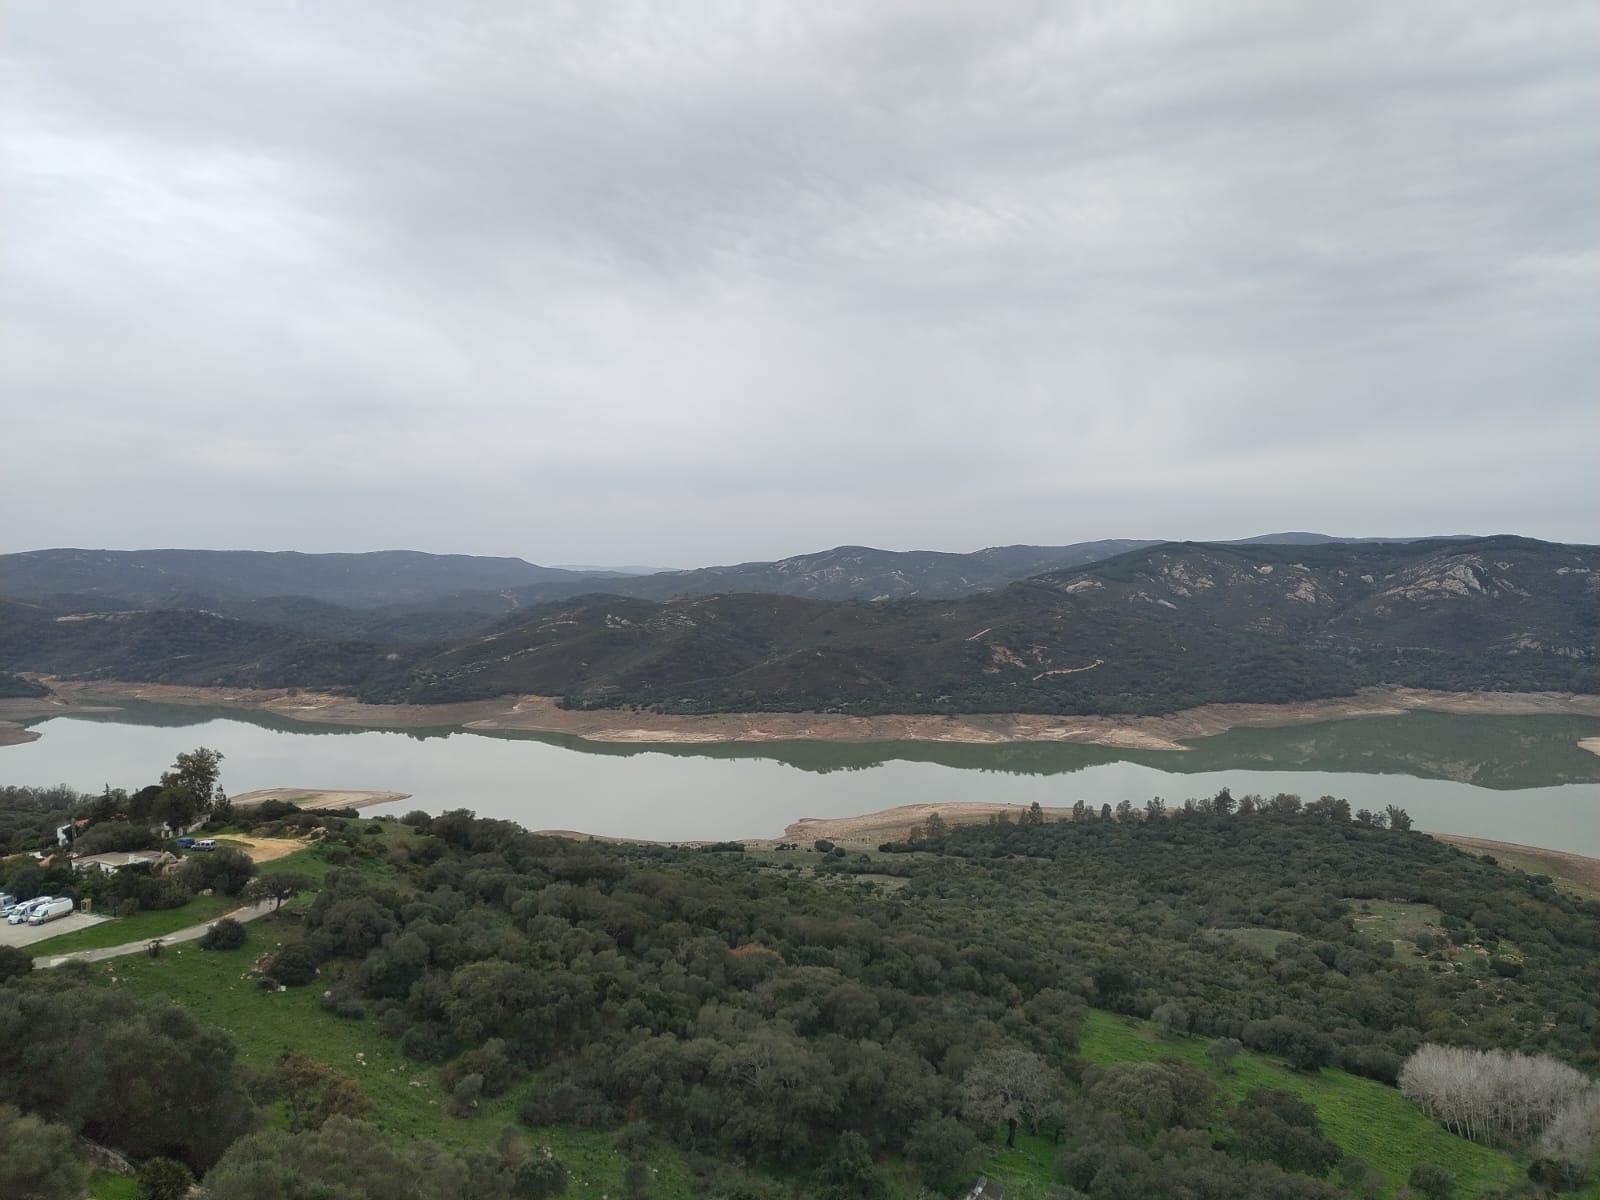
{"x": 50, "y": 910}
{"x": 22, "y": 912}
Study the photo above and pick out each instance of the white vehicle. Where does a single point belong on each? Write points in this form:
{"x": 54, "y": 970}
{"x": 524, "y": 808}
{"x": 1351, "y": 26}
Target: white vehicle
{"x": 20, "y": 914}
{"x": 6, "y": 900}
{"x": 206, "y": 844}
{"x": 50, "y": 911}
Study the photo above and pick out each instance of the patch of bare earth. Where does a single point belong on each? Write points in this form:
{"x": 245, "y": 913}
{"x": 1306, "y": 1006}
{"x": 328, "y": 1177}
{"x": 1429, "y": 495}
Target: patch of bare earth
{"x": 312, "y": 799}
{"x": 893, "y": 824}
{"x": 263, "y": 849}
{"x": 1592, "y": 745}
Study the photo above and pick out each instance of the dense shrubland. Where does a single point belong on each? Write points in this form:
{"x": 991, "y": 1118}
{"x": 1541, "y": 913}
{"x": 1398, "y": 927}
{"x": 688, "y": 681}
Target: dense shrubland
{"x": 793, "y": 1026}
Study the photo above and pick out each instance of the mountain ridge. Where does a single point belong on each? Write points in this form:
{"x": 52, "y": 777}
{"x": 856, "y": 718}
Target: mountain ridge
{"x": 409, "y": 581}
{"x": 1152, "y": 630}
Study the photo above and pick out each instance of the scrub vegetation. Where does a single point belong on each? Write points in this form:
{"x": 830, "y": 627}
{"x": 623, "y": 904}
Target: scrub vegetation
{"x": 1188, "y": 1000}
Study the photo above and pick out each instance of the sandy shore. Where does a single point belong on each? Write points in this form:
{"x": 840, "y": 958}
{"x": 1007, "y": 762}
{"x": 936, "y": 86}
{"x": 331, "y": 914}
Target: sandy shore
{"x": 318, "y": 798}
{"x": 1592, "y": 745}
{"x": 541, "y": 714}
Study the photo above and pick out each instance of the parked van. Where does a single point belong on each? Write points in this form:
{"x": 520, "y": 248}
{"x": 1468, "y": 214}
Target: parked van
{"x": 206, "y": 844}
{"x": 6, "y": 900}
{"x": 50, "y": 910}
{"x": 186, "y": 843}
{"x": 20, "y": 914}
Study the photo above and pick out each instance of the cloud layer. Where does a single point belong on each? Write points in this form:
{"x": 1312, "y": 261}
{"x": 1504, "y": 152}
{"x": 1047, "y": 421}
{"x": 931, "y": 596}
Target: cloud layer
{"x": 691, "y": 284}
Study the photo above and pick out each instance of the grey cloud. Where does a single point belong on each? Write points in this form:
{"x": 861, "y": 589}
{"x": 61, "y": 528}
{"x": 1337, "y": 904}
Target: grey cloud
{"x": 583, "y": 283}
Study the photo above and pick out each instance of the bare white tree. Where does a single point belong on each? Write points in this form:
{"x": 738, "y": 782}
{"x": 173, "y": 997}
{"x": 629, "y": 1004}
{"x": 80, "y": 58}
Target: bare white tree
{"x": 1491, "y": 1095}
{"x": 1574, "y": 1135}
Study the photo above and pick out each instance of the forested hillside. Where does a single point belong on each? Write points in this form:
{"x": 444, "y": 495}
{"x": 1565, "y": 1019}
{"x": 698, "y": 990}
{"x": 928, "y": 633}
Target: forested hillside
{"x": 1155, "y": 630}
{"x": 817, "y": 1023}
{"x": 1152, "y": 631}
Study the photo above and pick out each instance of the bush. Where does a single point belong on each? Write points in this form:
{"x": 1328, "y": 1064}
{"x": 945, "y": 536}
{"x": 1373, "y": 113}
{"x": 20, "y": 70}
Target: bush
{"x": 636, "y": 1180}
{"x": 427, "y": 1042}
{"x": 164, "y": 1179}
{"x": 1432, "y": 1180}
{"x": 14, "y": 962}
{"x": 540, "y": 1179}
{"x": 342, "y": 1000}
{"x": 489, "y": 1062}
{"x": 1557, "y": 1175}
{"x": 225, "y": 934}
{"x": 464, "y": 1098}
{"x": 294, "y": 965}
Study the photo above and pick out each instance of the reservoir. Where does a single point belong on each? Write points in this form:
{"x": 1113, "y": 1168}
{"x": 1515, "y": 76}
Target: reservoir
{"x": 1515, "y": 779}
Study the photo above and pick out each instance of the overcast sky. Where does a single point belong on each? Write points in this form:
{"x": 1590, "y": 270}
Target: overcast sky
{"x": 697, "y": 283}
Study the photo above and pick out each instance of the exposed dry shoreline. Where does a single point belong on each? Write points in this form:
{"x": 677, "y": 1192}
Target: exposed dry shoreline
{"x": 310, "y": 799}
{"x": 541, "y": 714}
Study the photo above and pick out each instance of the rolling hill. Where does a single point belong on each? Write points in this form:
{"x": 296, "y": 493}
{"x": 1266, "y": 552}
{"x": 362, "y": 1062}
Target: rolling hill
{"x": 1153, "y": 630}
{"x": 158, "y": 577}
{"x": 404, "y": 583}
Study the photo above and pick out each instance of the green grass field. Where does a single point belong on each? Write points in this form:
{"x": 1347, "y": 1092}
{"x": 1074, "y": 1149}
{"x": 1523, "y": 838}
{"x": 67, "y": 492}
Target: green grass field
{"x": 140, "y": 927}
{"x": 1367, "y": 1119}
{"x": 107, "y": 1185}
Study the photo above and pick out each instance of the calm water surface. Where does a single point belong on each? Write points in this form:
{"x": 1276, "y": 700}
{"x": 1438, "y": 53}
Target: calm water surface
{"x": 1517, "y": 779}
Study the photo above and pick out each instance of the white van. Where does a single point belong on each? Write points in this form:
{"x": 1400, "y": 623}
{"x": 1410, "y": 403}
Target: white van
{"x": 206, "y": 844}
{"x": 50, "y": 910}
{"x": 22, "y": 912}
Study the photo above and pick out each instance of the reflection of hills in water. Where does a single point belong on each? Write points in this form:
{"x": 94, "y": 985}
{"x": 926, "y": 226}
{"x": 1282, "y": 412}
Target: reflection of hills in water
{"x": 1490, "y": 752}
{"x": 183, "y": 716}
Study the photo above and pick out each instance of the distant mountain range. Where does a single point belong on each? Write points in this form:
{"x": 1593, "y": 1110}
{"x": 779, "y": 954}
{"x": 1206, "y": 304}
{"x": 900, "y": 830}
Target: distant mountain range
{"x": 1155, "y": 629}
{"x": 411, "y": 581}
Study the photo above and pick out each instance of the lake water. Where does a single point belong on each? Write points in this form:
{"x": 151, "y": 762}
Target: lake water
{"x": 1519, "y": 779}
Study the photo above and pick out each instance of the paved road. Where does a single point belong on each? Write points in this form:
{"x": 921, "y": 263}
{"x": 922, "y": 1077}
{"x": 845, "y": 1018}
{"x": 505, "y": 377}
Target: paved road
{"x": 193, "y": 933}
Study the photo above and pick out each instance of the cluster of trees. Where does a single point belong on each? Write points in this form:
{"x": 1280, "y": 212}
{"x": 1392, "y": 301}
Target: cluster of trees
{"x": 1132, "y": 905}
{"x": 29, "y": 816}
{"x": 147, "y": 1079}
{"x": 1494, "y": 1096}
{"x": 934, "y": 831}
{"x": 114, "y": 821}
{"x": 750, "y": 1014}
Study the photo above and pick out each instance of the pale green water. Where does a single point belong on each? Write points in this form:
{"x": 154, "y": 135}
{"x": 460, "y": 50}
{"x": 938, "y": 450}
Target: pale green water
{"x": 1516, "y": 779}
